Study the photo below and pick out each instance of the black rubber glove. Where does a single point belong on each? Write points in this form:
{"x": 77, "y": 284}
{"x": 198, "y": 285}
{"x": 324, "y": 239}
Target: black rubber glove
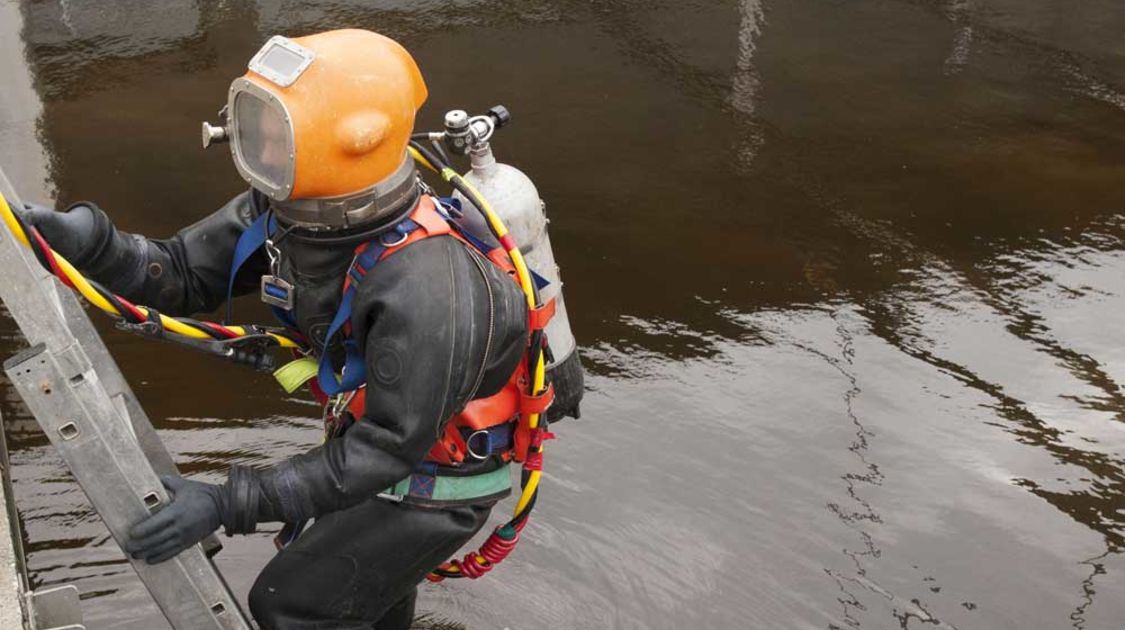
{"x": 71, "y": 232}
{"x": 196, "y": 510}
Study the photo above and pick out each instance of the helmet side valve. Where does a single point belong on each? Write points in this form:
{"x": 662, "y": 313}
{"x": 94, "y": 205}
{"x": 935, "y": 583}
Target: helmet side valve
{"x": 216, "y": 134}
{"x": 213, "y": 134}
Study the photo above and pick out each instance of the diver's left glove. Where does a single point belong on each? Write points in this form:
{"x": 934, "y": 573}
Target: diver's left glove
{"x": 73, "y": 233}
{"x": 196, "y": 510}
{"x": 84, "y": 235}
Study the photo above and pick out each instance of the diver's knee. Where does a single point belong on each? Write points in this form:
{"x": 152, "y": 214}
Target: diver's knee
{"x": 265, "y": 604}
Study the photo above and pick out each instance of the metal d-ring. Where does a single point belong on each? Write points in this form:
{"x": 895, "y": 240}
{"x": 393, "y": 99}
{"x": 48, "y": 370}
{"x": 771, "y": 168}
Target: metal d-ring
{"x": 469, "y": 444}
{"x": 402, "y": 238}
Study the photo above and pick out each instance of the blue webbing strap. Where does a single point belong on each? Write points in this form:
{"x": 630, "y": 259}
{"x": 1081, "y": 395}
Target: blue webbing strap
{"x": 445, "y": 204}
{"x": 490, "y": 441}
{"x": 249, "y": 242}
{"x": 355, "y": 372}
{"x": 540, "y": 281}
{"x": 450, "y": 209}
{"x": 476, "y": 242}
{"x": 285, "y": 317}
{"x": 448, "y": 203}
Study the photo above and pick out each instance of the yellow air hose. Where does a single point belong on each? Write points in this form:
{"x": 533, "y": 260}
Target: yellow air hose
{"x": 524, "y": 276}
{"x": 538, "y": 377}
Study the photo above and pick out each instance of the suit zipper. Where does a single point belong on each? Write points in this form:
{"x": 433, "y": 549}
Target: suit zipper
{"x": 491, "y": 321}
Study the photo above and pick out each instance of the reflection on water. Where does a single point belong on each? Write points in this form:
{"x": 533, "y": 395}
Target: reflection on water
{"x": 1090, "y": 495}
{"x": 846, "y": 274}
{"x": 21, "y": 107}
{"x": 745, "y": 84}
{"x": 958, "y": 12}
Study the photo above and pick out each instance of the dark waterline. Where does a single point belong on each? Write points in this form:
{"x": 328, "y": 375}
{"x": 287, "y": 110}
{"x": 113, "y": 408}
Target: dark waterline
{"x": 846, "y": 276}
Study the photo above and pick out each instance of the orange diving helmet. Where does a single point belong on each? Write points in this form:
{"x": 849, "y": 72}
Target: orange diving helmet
{"x": 320, "y": 124}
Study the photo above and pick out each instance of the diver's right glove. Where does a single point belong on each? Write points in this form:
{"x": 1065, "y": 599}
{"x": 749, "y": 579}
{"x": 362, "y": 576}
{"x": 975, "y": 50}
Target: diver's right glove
{"x": 196, "y": 510}
{"x": 72, "y": 233}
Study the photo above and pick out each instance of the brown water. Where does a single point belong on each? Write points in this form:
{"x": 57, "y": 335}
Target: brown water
{"x": 848, "y": 277}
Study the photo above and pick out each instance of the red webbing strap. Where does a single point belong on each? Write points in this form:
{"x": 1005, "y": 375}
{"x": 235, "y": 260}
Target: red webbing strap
{"x": 314, "y": 387}
{"x": 538, "y": 317}
{"x": 525, "y": 437}
{"x": 426, "y": 215}
{"x": 453, "y": 444}
{"x": 535, "y": 453}
{"x": 537, "y": 404}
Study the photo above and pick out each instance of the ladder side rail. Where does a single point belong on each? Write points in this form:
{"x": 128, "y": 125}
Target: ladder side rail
{"x": 85, "y": 427}
{"x": 80, "y": 328}
{"x": 54, "y": 322}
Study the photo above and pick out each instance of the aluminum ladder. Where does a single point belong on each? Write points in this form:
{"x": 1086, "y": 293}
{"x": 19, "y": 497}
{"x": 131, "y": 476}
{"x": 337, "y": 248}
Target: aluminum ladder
{"x": 79, "y": 397}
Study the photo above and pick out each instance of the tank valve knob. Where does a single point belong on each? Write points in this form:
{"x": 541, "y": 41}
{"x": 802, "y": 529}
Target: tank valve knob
{"x": 213, "y": 134}
{"x": 500, "y": 115}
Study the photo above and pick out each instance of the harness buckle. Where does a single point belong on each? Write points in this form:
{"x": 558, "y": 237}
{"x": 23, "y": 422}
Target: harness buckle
{"x": 334, "y": 417}
{"x": 277, "y": 292}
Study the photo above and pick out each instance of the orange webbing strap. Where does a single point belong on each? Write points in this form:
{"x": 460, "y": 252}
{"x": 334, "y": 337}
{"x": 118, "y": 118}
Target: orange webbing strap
{"x": 453, "y": 444}
{"x": 427, "y": 218}
{"x": 538, "y": 317}
{"x": 499, "y": 257}
{"x": 539, "y": 403}
{"x": 529, "y": 405}
{"x": 429, "y": 223}
{"x": 426, "y": 215}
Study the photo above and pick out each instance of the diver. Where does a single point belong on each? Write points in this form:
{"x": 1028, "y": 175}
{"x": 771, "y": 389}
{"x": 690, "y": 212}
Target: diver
{"x": 412, "y": 328}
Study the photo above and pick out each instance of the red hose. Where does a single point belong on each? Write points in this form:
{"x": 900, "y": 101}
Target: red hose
{"x": 50, "y": 255}
{"x": 477, "y": 563}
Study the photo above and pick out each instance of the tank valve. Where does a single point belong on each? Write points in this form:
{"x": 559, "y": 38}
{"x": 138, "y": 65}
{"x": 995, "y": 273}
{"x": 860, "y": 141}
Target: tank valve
{"x": 465, "y": 133}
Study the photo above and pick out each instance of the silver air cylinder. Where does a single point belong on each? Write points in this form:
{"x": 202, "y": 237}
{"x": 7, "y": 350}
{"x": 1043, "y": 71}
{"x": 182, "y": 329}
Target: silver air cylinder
{"x": 514, "y": 197}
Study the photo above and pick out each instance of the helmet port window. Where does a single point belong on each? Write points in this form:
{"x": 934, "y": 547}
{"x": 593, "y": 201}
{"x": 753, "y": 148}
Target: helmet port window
{"x": 263, "y": 140}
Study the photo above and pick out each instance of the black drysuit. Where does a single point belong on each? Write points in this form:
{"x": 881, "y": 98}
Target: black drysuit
{"x": 439, "y": 326}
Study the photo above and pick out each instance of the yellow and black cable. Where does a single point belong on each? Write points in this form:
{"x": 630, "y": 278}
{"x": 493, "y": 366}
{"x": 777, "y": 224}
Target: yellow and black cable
{"x": 118, "y": 306}
{"x": 529, "y": 479}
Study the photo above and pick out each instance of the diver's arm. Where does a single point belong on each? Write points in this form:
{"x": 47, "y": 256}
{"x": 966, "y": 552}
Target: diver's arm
{"x": 181, "y": 275}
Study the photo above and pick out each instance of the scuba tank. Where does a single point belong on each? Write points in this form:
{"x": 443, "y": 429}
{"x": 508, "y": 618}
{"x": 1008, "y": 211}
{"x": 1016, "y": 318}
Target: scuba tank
{"x": 515, "y": 198}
